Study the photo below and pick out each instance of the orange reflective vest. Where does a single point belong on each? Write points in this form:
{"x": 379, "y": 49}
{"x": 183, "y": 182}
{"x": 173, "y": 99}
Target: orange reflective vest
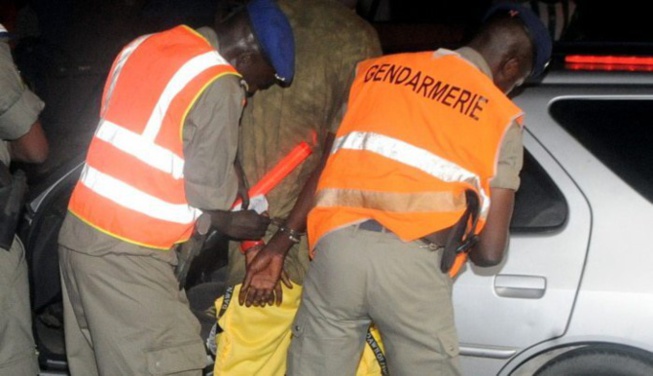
{"x": 419, "y": 130}
{"x": 132, "y": 186}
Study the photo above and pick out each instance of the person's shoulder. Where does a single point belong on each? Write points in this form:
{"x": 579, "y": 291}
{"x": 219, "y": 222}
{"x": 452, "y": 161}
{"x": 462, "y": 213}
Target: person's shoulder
{"x": 227, "y": 87}
{"x": 328, "y": 31}
{"x": 324, "y": 14}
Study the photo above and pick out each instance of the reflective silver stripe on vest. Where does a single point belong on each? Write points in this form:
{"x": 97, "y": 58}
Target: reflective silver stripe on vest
{"x": 143, "y": 149}
{"x": 413, "y": 156}
{"x": 134, "y": 199}
{"x": 182, "y": 77}
{"x": 120, "y": 62}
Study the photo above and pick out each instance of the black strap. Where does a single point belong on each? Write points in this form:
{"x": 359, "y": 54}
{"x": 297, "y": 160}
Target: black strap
{"x": 378, "y": 353}
{"x": 462, "y": 235}
{"x": 228, "y": 293}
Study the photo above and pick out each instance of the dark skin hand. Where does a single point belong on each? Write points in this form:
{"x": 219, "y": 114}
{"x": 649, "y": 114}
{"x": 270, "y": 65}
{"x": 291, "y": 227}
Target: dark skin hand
{"x": 32, "y": 147}
{"x": 266, "y": 270}
{"x": 241, "y": 225}
{"x": 264, "y": 275}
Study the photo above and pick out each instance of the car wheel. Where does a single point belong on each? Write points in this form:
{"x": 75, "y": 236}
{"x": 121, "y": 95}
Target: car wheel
{"x": 599, "y": 360}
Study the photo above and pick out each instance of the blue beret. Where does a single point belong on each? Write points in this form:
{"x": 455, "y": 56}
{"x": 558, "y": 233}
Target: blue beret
{"x": 274, "y": 35}
{"x": 542, "y": 44}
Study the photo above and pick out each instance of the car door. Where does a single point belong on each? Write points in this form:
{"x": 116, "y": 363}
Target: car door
{"x": 529, "y": 297}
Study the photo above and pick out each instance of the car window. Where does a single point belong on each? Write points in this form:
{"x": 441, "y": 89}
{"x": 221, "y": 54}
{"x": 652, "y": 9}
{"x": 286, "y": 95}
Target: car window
{"x": 539, "y": 204}
{"x": 618, "y": 132}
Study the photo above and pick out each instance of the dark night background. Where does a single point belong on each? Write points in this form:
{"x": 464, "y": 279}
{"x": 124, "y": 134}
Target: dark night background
{"x": 64, "y": 48}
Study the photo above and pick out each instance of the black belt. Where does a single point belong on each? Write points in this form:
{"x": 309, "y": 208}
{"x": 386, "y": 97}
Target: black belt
{"x": 372, "y": 225}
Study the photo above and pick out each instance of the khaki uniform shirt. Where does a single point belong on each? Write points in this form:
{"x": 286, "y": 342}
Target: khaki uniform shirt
{"x": 330, "y": 40}
{"x": 19, "y": 107}
{"x": 210, "y": 137}
{"x": 512, "y": 150}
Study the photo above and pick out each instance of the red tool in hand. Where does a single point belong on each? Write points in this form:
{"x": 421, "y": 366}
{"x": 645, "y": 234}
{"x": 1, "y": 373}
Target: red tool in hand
{"x": 272, "y": 178}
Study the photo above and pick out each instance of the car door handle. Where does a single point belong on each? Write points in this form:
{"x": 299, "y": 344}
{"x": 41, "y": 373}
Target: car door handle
{"x": 519, "y": 286}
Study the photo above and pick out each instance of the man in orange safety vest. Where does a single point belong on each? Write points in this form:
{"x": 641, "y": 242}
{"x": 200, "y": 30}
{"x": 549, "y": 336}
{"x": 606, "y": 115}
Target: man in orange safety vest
{"x": 163, "y": 154}
{"x": 426, "y": 137}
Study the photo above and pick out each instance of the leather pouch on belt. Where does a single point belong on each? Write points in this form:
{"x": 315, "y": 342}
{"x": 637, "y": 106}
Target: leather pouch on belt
{"x": 461, "y": 236}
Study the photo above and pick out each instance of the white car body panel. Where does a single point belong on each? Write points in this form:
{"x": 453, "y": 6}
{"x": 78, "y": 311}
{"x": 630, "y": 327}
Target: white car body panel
{"x": 589, "y": 281}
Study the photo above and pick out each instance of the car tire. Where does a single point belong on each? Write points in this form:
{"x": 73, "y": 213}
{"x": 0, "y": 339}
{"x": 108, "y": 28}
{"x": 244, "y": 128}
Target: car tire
{"x": 599, "y": 360}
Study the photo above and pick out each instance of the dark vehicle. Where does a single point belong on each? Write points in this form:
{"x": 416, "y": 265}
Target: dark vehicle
{"x": 44, "y": 214}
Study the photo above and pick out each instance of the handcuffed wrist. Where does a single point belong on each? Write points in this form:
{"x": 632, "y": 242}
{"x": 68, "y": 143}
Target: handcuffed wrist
{"x": 292, "y": 235}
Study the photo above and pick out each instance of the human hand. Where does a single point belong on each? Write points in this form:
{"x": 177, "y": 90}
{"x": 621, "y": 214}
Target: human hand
{"x": 262, "y": 283}
{"x": 243, "y": 224}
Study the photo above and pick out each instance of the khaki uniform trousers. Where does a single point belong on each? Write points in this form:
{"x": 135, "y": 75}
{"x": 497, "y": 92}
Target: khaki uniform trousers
{"x": 124, "y": 315}
{"x": 17, "y": 350}
{"x": 358, "y": 277}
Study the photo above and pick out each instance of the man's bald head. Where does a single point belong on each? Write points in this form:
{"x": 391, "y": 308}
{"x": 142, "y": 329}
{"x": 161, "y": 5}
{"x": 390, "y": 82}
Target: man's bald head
{"x": 514, "y": 42}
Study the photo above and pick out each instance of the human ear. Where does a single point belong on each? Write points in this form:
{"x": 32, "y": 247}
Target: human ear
{"x": 509, "y": 74}
{"x": 511, "y": 69}
{"x": 245, "y": 58}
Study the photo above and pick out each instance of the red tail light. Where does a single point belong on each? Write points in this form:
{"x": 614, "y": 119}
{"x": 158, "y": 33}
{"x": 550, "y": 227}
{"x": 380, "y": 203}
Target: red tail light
{"x": 609, "y": 63}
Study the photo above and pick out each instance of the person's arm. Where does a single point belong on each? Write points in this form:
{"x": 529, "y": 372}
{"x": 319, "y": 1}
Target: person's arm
{"x": 19, "y": 113}
{"x": 493, "y": 240}
{"x": 32, "y": 147}
{"x": 239, "y": 225}
{"x": 265, "y": 264}
{"x": 210, "y": 136}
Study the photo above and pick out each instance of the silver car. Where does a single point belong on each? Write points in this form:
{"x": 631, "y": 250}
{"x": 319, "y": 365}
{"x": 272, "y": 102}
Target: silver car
{"x": 574, "y": 296}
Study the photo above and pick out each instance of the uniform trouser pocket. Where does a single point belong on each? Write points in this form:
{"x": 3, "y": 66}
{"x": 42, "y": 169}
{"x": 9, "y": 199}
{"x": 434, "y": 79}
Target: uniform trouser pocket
{"x": 189, "y": 357}
{"x": 450, "y": 351}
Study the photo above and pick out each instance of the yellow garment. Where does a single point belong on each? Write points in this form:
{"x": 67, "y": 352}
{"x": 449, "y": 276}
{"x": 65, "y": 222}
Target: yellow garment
{"x": 255, "y": 340}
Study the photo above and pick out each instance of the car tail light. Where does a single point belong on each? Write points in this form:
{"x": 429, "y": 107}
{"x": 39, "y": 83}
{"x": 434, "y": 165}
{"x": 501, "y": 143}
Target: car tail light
{"x": 609, "y": 63}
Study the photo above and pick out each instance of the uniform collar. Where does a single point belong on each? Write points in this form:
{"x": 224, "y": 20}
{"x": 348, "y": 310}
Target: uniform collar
{"x": 210, "y": 35}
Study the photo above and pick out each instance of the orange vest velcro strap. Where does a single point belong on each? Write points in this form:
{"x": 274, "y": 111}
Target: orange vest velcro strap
{"x": 132, "y": 186}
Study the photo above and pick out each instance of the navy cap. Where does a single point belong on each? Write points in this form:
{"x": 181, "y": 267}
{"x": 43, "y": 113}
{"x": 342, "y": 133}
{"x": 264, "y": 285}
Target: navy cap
{"x": 542, "y": 44}
{"x": 274, "y": 35}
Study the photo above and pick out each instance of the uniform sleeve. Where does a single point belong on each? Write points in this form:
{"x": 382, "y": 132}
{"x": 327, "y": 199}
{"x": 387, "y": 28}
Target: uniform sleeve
{"x": 511, "y": 158}
{"x": 210, "y": 142}
{"x": 19, "y": 107}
